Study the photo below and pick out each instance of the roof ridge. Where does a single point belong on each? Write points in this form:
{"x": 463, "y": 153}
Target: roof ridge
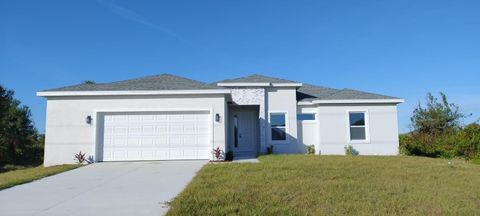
{"x": 256, "y": 78}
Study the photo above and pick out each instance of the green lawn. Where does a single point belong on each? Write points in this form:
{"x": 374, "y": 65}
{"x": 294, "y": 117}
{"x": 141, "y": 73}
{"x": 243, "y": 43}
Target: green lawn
{"x": 326, "y": 185}
{"x": 13, "y": 175}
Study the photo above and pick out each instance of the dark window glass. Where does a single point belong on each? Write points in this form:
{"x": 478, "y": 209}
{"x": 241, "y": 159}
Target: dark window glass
{"x": 277, "y": 120}
{"x": 279, "y": 134}
{"x": 357, "y": 119}
{"x": 235, "y": 130}
{"x": 305, "y": 116}
{"x": 357, "y": 133}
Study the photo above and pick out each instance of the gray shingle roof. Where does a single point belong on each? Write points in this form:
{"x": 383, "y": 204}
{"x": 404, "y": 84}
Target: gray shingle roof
{"x": 256, "y": 78}
{"x": 157, "y": 82}
{"x": 307, "y": 92}
{"x": 310, "y": 92}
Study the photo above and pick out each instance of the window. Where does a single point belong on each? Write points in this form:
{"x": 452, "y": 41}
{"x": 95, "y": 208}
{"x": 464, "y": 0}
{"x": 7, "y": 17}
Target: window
{"x": 358, "y": 128}
{"x": 306, "y": 116}
{"x": 278, "y": 126}
{"x": 235, "y": 130}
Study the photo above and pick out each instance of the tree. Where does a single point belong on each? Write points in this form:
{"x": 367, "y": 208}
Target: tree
{"x": 439, "y": 132}
{"x": 438, "y": 117}
{"x": 17, "y": 132}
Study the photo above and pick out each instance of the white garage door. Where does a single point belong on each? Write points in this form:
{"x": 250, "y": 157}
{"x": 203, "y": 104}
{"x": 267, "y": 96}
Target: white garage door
{"x": 156, "y": 136}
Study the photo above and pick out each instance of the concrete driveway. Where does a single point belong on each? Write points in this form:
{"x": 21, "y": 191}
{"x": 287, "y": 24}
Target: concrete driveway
{"x": 116, "y": 188}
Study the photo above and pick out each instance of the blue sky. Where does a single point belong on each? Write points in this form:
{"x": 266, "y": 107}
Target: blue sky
{"x": 398, "y": 48}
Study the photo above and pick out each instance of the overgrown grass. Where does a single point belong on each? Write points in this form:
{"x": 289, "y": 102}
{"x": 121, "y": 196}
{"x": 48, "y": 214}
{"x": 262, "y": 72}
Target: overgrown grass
{"x": 15, "y": 175}
{"x": 326, "y": 185}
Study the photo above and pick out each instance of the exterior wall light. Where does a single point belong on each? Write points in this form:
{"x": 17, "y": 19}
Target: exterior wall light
{"x": 89, "y": 119}
{"x": 217, "y": 117}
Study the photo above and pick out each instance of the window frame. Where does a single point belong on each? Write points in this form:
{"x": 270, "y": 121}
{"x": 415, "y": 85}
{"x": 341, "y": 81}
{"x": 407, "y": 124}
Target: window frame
{"x": 270, "y": 127}
{"x": 307, "y": 113}
{"x": 367, "y": 126}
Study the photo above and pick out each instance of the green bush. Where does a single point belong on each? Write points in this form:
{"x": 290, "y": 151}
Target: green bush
{"x": 270, "y": 150}
{"x": 229, "y": 156}
{"x": 311, "y": 149}
{"x": 464, "y": 142}
{"x": 350, "y": 151}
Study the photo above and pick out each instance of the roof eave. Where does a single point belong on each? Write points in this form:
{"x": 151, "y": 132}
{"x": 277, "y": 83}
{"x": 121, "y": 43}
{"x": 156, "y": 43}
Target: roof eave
{"x": 353, "y": 101}
{"x": 132, "y": 92}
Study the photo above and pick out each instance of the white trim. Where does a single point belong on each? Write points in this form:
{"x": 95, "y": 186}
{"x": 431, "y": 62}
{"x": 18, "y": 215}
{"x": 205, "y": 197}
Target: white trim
{"x": 287, "y": 140}
{"x": 367, "y": 126}
{"x": 133, "y": 92}
{"x": 264, "y": 84}
{"x": 353, "y": 101}
{"x": 287, "y": 84}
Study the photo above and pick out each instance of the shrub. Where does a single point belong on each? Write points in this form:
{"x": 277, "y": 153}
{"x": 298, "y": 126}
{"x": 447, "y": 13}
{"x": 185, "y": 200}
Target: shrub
{"x": 229, "y": 156}
{"x": 311, "y": 149}
{"x": 270, "y": 150}
{"x": 350, "y": 151}
{"x": 464, "y": 142}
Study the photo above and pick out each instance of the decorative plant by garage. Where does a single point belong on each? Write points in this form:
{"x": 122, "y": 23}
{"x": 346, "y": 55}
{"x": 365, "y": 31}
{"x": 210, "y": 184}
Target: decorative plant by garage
{"x": 80, "y": 157}
{"x": 217, "y": 154}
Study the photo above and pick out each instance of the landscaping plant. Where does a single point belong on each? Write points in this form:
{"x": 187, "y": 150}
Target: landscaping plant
{"x": 80, "y": 157}
{"x": 350, "y": 151}
{"x": 311, "y": 149}
{"x": 229, "y": 156}
{"x": 217, "y": 153}
{"x": 269, "y": 150}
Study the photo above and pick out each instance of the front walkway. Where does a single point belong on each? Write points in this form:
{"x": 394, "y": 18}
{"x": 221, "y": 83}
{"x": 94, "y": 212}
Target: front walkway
{"x": 115, "y": 188}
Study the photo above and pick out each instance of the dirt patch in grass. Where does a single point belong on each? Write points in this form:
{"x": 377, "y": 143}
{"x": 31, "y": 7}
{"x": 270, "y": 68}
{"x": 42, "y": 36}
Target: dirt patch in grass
{"x": 19, "y": 175}
{"x": 325, "y": 185}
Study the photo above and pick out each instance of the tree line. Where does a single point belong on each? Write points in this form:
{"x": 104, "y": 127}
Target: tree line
{"x": 20, "y": 142}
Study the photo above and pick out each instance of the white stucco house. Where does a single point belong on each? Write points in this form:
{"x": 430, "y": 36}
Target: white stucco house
{"x": 166, "y": 117}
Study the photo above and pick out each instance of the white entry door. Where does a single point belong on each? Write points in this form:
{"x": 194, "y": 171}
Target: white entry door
{"x": 156, "y": 136}
{"x": 244, "y": 131}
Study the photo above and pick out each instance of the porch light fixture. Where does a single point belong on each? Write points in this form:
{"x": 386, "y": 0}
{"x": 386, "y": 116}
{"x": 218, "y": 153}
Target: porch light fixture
{"x": 89, "y": 119}
{"x": 217, "y": 117}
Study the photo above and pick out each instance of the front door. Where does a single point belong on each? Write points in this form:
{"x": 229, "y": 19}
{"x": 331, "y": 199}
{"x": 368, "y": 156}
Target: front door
{"x": 244, "y": 136}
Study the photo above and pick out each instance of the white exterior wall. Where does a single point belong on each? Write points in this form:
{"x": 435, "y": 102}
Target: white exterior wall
{"x": 284, "y": 100}
{"x": 382, "y": 129}
{"x": 308, "y": 131}
{"x": 68, "y": 133}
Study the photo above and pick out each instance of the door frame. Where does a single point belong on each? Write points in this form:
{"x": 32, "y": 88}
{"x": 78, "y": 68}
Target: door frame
{"x": 256, "y": 133}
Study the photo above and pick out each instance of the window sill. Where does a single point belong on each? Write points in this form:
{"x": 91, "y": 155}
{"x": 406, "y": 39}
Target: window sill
{"x": 359, "y": 141}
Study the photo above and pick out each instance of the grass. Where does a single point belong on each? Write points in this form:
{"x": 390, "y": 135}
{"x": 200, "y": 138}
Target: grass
{"x": 476, "y": 160}
{"x": 332, "y": 185}
{"x": 15, "y": 175}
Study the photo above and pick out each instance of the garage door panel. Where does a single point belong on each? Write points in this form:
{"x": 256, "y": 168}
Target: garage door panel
{"x": 156, "y": 136}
